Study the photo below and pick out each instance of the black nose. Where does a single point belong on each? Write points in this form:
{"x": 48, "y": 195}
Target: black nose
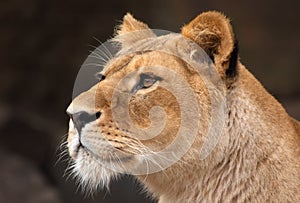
{"x": 80, "y": 119}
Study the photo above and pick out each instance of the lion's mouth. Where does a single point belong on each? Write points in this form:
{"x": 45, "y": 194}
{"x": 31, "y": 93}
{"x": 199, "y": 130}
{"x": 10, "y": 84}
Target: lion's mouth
{"x": 114, "y": 156}
{"x": 76, "y": 147}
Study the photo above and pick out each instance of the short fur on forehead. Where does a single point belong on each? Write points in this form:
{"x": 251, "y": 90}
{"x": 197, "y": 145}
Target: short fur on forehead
{"x": 131, "y": 30}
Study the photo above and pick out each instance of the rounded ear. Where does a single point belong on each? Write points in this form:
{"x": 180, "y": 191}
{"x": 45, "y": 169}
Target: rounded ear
{"x": 213, "y": 33}
{"x": 131, "y": 30}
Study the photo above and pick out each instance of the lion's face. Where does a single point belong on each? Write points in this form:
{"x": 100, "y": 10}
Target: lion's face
{"x": 95, "y": 138}
{"x": 114, "y": 126}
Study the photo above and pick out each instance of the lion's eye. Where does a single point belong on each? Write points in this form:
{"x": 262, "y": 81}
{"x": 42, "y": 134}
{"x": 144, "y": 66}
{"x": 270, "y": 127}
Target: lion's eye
{"x": 146, "y": 80}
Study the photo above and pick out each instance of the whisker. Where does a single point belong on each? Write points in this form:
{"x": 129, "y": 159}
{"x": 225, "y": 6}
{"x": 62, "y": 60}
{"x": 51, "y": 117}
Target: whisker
{"x": 102, "y": 44}
{"x": 67, "y": 168}
{"x": 98, "y": 56}
{"x": 62, "y": 143}
{"x": 62, "y": 157}
{"x": 144, "y": 152}
{"x": 93, "y": 65}
{"x": 106, "y": 55}
{"x": 101, "y": 60}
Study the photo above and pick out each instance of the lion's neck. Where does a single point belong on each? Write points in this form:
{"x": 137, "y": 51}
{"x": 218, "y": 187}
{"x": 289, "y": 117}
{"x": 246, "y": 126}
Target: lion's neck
{"x": 248, "y": 167}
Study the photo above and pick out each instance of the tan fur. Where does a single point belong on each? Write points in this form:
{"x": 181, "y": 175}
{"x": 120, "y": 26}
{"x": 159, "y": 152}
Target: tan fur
{"x": 212, "y": 31}
{"x": 257, "y": 158}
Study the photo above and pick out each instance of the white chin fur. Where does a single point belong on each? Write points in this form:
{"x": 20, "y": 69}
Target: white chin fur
{"x": 91, "y": 174}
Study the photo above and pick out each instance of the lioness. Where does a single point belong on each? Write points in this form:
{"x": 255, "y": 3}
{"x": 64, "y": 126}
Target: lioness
{"x": 256, "y": 158}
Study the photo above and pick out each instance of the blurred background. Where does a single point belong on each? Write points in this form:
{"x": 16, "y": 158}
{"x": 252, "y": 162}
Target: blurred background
{"x": 43, "y": 44}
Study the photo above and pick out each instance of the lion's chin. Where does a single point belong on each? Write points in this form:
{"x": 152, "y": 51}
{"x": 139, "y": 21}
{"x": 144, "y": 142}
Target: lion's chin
{"x": 91, "y": 174}
{"x": 94, "y": 173}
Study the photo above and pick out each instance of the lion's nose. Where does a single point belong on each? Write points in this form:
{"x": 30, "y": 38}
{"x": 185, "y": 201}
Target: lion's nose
{"x": 80, "y": 119}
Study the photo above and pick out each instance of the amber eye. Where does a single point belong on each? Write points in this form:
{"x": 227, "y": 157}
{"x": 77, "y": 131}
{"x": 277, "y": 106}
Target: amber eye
{"x": 146, "y": 81}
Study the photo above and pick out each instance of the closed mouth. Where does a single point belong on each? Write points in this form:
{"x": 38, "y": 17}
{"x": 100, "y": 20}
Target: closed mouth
{"x": 115, "y": 158}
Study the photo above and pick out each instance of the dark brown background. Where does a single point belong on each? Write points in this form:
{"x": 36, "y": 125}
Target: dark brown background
{"x": 43, "y": 44}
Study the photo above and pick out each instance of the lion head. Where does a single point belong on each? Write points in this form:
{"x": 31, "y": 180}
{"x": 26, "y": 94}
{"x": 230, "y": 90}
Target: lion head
{"x": 151, "y": 111}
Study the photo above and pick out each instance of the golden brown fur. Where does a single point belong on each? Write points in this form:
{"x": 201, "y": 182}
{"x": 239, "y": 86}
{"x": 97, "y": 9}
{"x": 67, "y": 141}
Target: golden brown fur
{"x": 257, "y": 158}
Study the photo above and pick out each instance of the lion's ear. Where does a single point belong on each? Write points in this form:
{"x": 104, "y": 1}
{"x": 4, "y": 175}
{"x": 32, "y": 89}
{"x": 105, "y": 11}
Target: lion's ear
{"x": 131, "y": 30}
{"x": 212, "y": 31}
